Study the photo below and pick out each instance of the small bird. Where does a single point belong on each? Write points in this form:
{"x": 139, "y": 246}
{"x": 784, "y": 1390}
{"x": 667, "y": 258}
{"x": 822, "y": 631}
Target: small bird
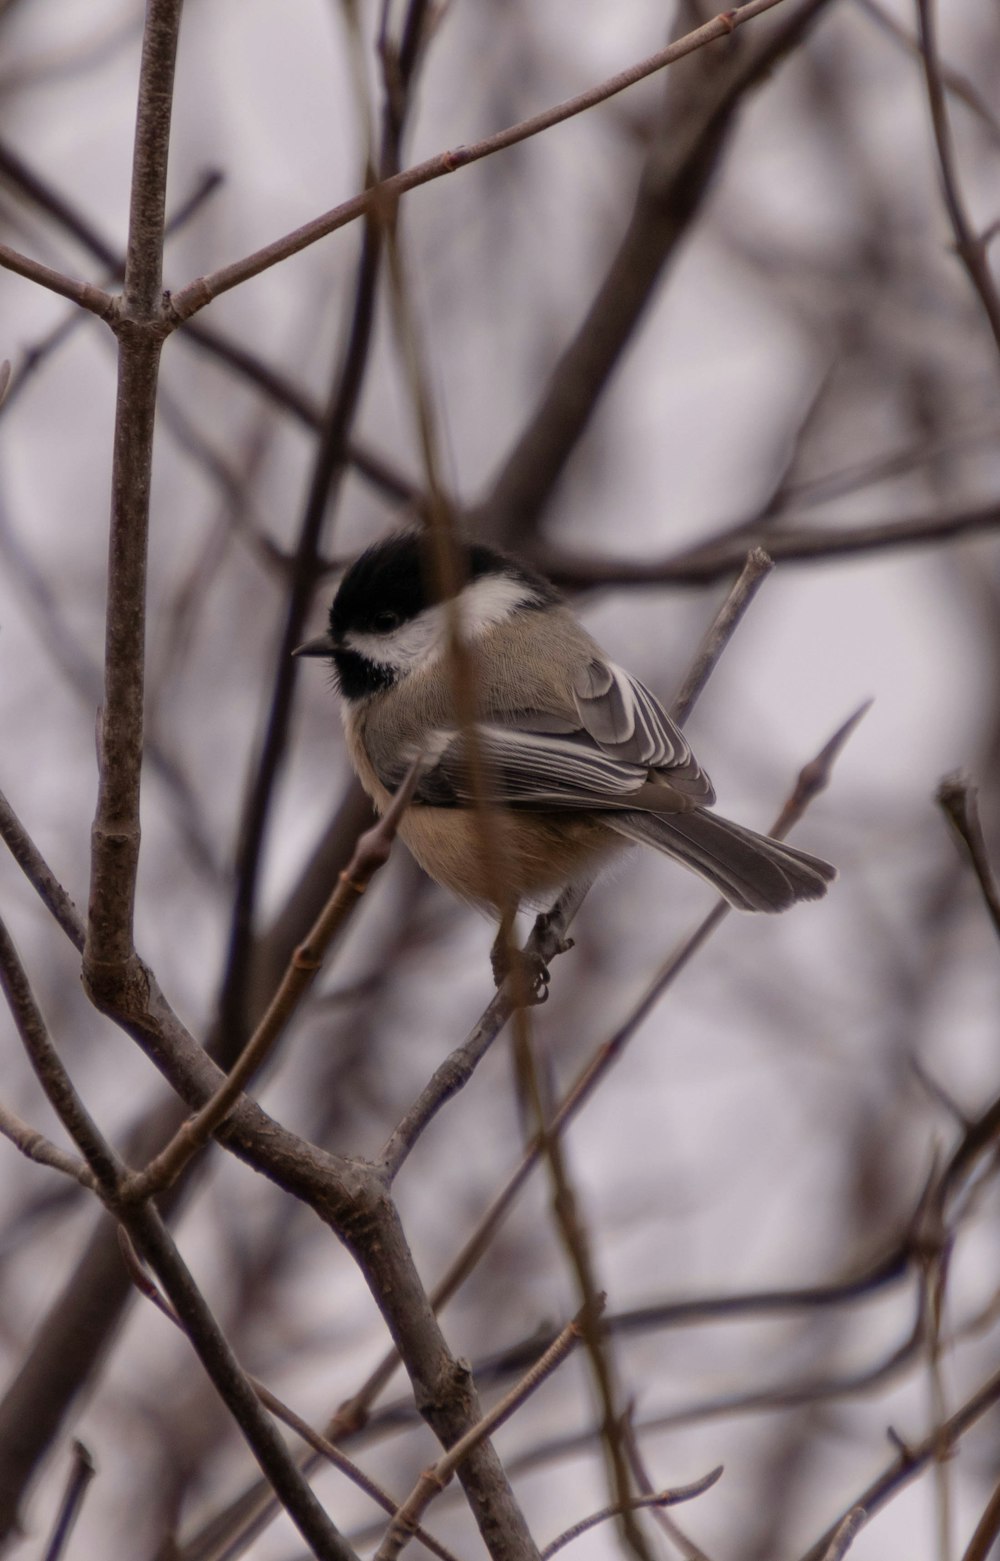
{"x": 571, "y": 759}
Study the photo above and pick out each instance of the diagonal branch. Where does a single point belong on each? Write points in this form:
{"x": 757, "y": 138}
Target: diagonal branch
{"x": 383, "y": 196}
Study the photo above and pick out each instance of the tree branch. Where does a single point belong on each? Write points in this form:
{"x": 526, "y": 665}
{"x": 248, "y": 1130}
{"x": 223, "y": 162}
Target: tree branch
{"x": 112, "y": 972}
{"x": 383, "y": 196}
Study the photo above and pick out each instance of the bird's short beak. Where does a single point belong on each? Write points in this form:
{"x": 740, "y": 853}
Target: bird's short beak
{"x": 322, "y": 645}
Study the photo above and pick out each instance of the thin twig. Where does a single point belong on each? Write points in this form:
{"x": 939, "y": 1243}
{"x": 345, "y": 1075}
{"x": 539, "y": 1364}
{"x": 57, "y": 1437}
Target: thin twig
{"x": 383, "y": 196}
{"x": 50, "y": 1071}
{"x": 959, "y": 800}
{"x": 689, "y": 1550}
{"x": 148, "y": 1232}
{"x": 152, "y": 1240}
{"x": 35, "y": 1146}
{"x": 668, "y": 1498}
{"x": 573, "y": 1232}
{"x": 970, "y": 245}
{"x": 370, "y": 853}
{"x": 81, "y": 1473}
{"x": 282, "y": 1411}
{"x": 960, "y": 86}
{"x": 911, "y": 1462}
{"x": 706, "y": 561}
{"x": 981, "y": 1545}
{"x": 94, "y": 299}
{"x": 434, "y": 1479}
{"x": 847, "y": 1533}
{"x": 40, "y": 875}
{"x": 752, "y": 576}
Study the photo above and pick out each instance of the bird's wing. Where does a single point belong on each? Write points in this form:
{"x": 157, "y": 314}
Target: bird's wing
{"x": 621, "y": 751}
{"x": 627, "y": 722}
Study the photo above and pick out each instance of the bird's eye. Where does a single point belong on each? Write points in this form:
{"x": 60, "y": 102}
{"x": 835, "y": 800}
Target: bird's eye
{"x": 385, "y": 621}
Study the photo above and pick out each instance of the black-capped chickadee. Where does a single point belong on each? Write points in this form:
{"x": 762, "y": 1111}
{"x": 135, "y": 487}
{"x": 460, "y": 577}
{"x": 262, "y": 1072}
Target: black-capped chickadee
{"x": 575, "y": 759}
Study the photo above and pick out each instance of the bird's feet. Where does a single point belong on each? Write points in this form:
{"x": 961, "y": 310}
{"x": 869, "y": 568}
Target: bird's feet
{"x": 526, "y": 971}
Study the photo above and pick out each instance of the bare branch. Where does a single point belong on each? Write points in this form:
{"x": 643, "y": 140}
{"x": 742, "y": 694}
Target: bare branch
{"x": 983, "y": 1541}
{"x": 320, "y": 1444}
{"x": 911, "y": 1462}
{"x": 35, "y": 1146}
{"x": 89, "y": 297}
{"x": 971, "y": 246}
{"x": 51, "y": 1073}
{"x": 383, "y": 196}
{"x": 82, "y": 1471}
{"x": 111, "y": 972}
{"x": 370, "y": 853}
{"x": 707, "y": 561}
{"x": 40, "y": 875}
{"x": 752, "y": 576}
{"x": 958, "y": 798}
{"x": 434, "y": 1479}
{"x": 669, "y": 1498}
{"x": 154, "y": 1243}
{"x": 847, "y": 1533}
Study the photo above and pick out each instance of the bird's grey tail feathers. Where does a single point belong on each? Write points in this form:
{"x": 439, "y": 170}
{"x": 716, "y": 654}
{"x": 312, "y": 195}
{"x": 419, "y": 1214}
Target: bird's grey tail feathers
{"x": 751, "y": 871}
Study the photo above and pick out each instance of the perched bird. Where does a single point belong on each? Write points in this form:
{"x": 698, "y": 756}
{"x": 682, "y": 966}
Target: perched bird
{"x": 571, "y": 758}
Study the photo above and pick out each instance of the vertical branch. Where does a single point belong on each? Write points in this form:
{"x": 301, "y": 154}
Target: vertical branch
{"x": 140, "y": 327}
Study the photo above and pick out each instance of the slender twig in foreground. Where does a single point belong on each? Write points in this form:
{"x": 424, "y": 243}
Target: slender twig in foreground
{"x": 670, "y": 1498}
{"x": 434, "y": 1479}
{"x": 150, "y": 1236}
{"x": 383, "y": 196}
{"x": 959, "y": 800}
{"x": 89, "y": 297}
{"x": 912, "y": 1461}
{"x": 59, "y": 1089}
{"x": 847, "y": 1533}
{"x": 152, "y": 1240}
{"x": 572, "y": 1229}
{"x": 370, "y": 853}
{"x": 688, "y": 1549}
{"x": 980, "y": 1546}
{"x": 282, "y": 1411}
{"x": 752, "y": 576}
{"x": 80, "y": 1475}
{"x": 40, "y": 875}
{"x": 35, "y": 1146}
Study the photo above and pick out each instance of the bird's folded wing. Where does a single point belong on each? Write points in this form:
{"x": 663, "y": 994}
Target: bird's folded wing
{"x": 628, "y": 722}
{"x": 624, "y": 751}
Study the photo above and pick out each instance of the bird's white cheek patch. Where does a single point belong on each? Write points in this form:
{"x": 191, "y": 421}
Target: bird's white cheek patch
{"x": 482, "y": 604}
{"x": 405, "y": 648}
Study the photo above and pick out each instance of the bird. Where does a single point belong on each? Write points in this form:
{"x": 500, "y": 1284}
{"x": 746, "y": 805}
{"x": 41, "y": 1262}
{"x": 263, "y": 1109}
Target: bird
{"x": 555, "y": 761}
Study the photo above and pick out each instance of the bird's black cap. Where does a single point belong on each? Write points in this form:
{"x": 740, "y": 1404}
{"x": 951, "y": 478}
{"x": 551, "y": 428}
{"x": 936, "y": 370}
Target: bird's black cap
{"x": 396, "y": 579}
